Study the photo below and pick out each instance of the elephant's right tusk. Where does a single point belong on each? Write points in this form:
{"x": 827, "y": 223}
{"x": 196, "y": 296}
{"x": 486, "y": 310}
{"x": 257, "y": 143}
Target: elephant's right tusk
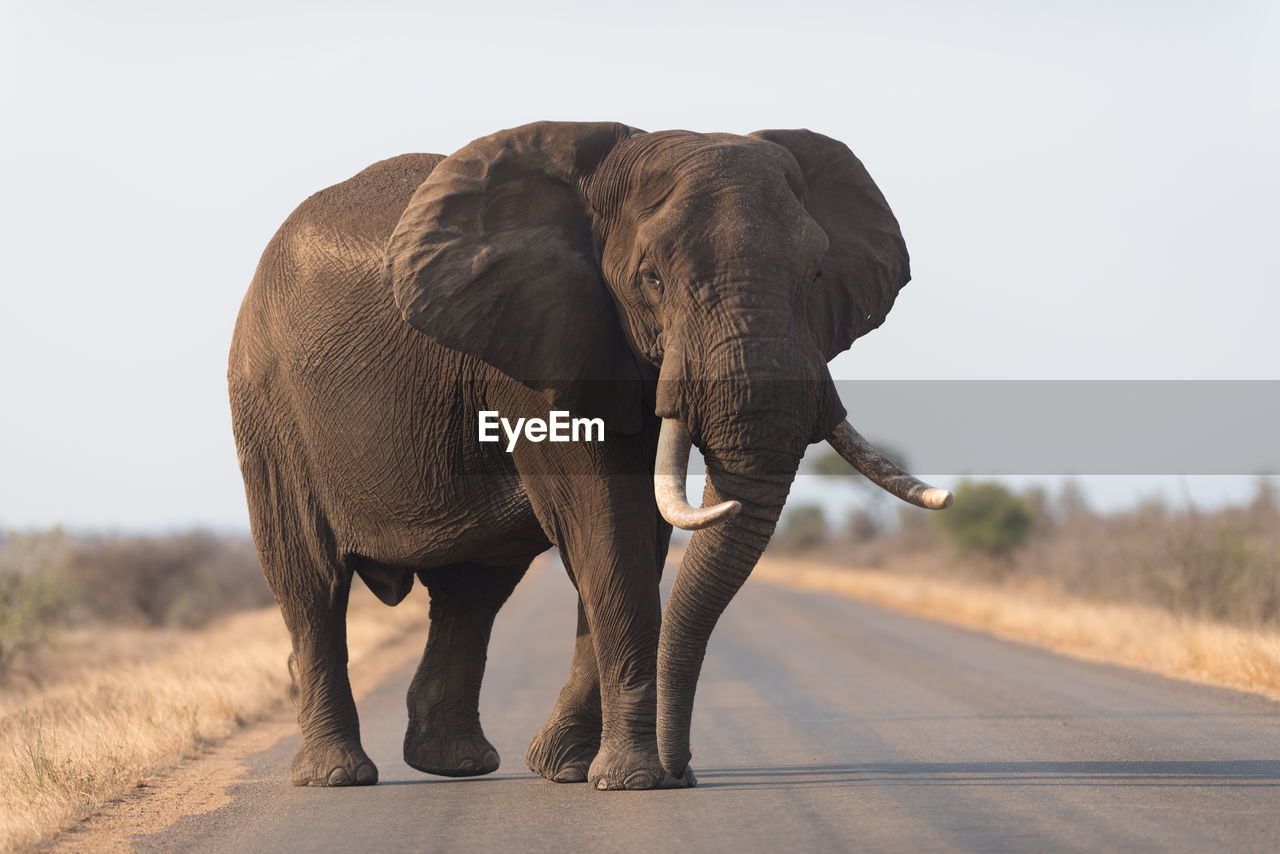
{"x": 860, "y": 454}
{"x": 669, "y": 471}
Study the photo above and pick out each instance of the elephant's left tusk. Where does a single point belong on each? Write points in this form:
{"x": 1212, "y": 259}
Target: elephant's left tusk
{"x": 860, "y": 454}
{"x": 669, "y": 472}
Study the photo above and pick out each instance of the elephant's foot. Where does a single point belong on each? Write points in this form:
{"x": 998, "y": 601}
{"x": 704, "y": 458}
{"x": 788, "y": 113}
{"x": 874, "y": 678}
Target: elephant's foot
{"x": 633, "y": 768}
{"x": 332, "y": 765}
{"x": 435, "y": 750}
{"x": 563, "y": 749}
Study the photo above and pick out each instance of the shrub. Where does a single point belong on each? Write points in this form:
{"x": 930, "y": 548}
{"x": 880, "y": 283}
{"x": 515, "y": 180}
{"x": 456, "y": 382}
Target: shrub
{"x": 803, "y": 527}
{"x": 987, "y": 517}
{"x": 32, "y": 568}
{"x": 864, "y": 525}
{"x": 1209, "y": 569}
{"x": 179, "y": 580}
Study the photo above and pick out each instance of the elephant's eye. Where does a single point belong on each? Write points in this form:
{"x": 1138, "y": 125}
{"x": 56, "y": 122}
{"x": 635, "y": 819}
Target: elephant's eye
{"x": 652, "y": 282}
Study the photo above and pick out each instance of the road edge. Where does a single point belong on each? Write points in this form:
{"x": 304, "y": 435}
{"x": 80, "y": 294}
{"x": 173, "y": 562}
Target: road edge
{"x": 1131, "y": 636}
{"x": 199, "y": 785}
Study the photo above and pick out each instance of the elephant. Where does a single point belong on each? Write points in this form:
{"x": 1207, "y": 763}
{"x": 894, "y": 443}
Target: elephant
{"x": 679, "y": 288}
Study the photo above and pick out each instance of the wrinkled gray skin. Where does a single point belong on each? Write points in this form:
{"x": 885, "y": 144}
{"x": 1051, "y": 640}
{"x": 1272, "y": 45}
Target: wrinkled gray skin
{"x": 589, "y": 267}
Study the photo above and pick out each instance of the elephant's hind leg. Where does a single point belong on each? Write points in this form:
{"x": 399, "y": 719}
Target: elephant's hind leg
{"x": 312, "y": 588}
{"x": 444, "y": 735}
{"x": 563, "y": 749}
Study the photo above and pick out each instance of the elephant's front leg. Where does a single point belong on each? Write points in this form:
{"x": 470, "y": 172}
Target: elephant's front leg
{"x": 563, "y": 749}
{"x": 618, "y": 583}
{"x": 444, "y": 734}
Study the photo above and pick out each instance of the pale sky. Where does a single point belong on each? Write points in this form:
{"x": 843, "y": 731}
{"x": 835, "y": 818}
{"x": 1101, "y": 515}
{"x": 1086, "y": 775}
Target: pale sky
{"x": 1088, "y": 189}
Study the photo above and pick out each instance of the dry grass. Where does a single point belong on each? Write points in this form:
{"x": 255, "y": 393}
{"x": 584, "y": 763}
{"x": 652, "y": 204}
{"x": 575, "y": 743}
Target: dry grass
{"x": 1133, "y": 635}
{"x": 86, "y": 737}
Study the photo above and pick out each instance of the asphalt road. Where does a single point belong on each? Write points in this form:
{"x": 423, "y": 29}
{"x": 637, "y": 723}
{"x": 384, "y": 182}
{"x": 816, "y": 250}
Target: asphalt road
{"x": 821, "y": 725}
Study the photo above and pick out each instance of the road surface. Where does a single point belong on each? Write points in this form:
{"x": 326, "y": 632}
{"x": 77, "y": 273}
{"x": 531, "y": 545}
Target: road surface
{"x": 821, "y": 724}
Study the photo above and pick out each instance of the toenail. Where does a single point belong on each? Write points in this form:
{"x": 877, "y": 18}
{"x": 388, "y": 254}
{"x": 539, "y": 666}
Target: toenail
{"x": 639, "y": 780}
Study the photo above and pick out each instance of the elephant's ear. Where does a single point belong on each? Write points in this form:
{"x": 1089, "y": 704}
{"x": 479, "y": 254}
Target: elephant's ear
{"x": 867, "y": 263}
{"x": 495, "y": 257}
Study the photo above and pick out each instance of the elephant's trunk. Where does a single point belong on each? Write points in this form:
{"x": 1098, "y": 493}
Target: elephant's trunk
{"x": 754, "y": 400}
{"x": 719, "y": 559}
{"x": 715, "y": 565}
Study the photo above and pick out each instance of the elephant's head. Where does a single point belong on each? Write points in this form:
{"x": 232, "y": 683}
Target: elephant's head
{"x": 707, "y": 278}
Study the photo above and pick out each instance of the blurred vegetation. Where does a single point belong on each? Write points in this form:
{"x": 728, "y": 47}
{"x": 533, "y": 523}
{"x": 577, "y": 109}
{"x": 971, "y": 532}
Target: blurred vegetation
{"x": 869, "y": 521}
{"x": 181, "y": 580}
{"x": 801, "y": 528}
{"x": 52, "y": 580}
{"x": 32, "y": 570}
{"x": 1222, "y": 564}
{"x": 987, "y": 517}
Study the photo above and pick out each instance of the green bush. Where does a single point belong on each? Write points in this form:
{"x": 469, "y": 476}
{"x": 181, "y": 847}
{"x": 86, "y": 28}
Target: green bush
{"x": 32, "y": 607}
{"x": 1211, "y": 570}
{"x": 49, "y": 580}
{"x": 803, "y": 527}
{"x": 987, "y": 517}
{"x": 178, "y": 580}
